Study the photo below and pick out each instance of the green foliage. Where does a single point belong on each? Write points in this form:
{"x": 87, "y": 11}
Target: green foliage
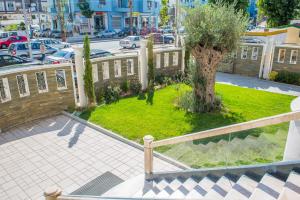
{"x": 125, "y": 86}
{"x": 150, "y": 89}
{"x": 288, "y": 77}
{"x": 215, "y": 26}
{"x": 11, "y": 27}
{"x": 238, "y": 4}
{"x": 99, "y": 96}
{"x": 85, "y": 10}
{"x": 273, "y": 75}
{"x": 22, "y": 26}
{"x": 278, "y": 12}
{"x": 163, "y": 14}
{"x": 88, "y": 74}
{"x": 135, "y": 87}
{"x": 111, "y": 94}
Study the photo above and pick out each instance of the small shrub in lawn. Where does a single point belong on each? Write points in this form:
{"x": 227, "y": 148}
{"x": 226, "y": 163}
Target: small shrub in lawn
{"x": 125, "y": 86}
{"x": 159, "y": 79}
{"x": 135, "y": 87}
{"x": 112, "y": 94}
{"x": 273, "y": 75}
{"x": 288, "y": 77}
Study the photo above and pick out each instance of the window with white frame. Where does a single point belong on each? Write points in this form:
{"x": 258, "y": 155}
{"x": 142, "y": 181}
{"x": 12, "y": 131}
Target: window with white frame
{"x": 105, "y": 70}
{"x": 4, "y": 90}
{"x": 175, "y": 58}
{"x": 158, "y": 60}
{"x": 281, "y": 55}
{"x": 95, "y": 73}
{"x": 244, "y": 53}
{"x": 254, "y": 53}
{"x": 61, "y": 79}
{"x": 2, "y": 7}
{"x": 41, "y": 81}
{"x": 10, "y": 5}
{"x": 117, "y": 68}
{"x": 23, "y": 85}
{"x": 294, "y": 57}
{"x": 130, "y": 67}
{"x": 166, "y": 59}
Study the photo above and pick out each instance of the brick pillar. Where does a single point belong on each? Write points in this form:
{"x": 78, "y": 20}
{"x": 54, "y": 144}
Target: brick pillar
{"x": 143, "y": 64}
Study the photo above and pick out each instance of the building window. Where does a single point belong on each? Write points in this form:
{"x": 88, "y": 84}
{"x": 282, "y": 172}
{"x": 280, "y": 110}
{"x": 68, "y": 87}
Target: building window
{"x": 117, "y": 68}
{"x": 149, "y": 4}
{"x": 281, "y": 55}
{"x": 10, "y": 5}
{"x": 61, "y": 79}
{"x": 41, "y": 80}
{"x": 2, "y": 7}
{"x": 244, "y": 53}
{"x": 23, "y": 85}
{"x": 105, "y": 69}
{"x": 4, "y": 90}
{"x": 254, "y": 53}
{"x": 95, "y": 73}
{"x": 158, "y": 60}
{"x": 166, "y": 59}
{"x": 102, "y": 2}
{"x": 130, "y": 67}
{"x": 294, "y": 57}
{"x": 175, "y": 58}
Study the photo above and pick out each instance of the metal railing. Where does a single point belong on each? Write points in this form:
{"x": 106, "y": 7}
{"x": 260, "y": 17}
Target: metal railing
{"x": 149, "y": 142}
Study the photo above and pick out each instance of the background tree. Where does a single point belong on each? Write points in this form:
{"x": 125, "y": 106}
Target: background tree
{"x": 278, "y": 12}
{"x": 88, "y": 73}
{"x": 163, "y": 14}
{"x": 150, "y": 89}
{"x": 238, "y": 4}
{"x": 212, "y": 32}
{"x": 60, "y": 15}
{"x": 85, "y": 10}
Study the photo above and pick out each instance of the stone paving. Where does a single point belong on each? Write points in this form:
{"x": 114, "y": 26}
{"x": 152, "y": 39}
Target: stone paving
{"x": 61, "y": 151}
{"x": 259, "y": 84}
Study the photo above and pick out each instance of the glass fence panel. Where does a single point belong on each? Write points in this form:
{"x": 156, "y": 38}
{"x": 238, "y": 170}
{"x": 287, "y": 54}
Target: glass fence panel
{"x": 254, "y": 146}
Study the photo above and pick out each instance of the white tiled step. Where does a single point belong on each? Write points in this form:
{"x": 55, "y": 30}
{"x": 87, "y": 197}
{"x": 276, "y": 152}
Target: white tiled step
{"x": 220, "y": 189}
{"x": 242, "y": 190}
{"x": 200, "y": 189}
{"x": 268, "y": 188}
{"x": 291, "y": 190}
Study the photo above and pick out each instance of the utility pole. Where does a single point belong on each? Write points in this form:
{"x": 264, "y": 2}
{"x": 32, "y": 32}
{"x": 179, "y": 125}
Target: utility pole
{"x": 39, "y": 14}
{"x": 60, "y": 16}
{"x": 27, "y": 31}
{"x": 176, "y": 22}
{"x": 131, "y": 19}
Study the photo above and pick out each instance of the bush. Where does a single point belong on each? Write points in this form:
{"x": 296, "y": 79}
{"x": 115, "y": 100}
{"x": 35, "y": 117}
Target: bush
{"x": 99, "y": 96}
{"x": 273, "y": 75}
{"x": 288, "y": 77}
{"x": 159, "y": 79}
{"x": 112, "y": 94}
{"x": 125, "y": 86}
{"x": 135, "y": 87}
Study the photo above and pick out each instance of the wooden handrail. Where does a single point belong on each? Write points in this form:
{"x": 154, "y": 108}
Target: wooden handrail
{"x": 230, "y": 129}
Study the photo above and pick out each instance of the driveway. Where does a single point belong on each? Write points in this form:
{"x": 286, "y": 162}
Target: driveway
{"x": 64, "y": 152}
{"x": 259, "y": 84}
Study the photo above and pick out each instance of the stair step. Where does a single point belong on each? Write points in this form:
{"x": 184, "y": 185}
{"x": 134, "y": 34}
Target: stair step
{"x": 200, "y": 189}
{"x": 242, "y": 190}
{"x": 220, "y": 189}
{"x": 291, "y": 190}
{"x": 268, "y": 188}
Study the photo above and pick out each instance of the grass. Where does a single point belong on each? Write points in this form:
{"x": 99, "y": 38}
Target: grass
{"x": 133, "y": 119}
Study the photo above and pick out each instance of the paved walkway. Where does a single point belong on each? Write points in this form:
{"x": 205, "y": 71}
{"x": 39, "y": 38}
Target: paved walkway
{"x": 61, "y": 151}
{"x": 259, "y": 84}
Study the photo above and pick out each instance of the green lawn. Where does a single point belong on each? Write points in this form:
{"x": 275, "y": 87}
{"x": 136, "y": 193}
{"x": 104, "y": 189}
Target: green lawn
{"x": 133, "y": 118}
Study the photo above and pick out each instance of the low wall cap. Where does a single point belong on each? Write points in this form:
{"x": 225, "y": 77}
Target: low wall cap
{"x": 53, "y": 191}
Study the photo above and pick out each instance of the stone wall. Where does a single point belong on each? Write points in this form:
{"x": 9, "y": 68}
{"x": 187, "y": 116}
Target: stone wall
{"x": 32, "y": 103}
{"x": 246, "y": 60}
{"x": 285, "y": 62}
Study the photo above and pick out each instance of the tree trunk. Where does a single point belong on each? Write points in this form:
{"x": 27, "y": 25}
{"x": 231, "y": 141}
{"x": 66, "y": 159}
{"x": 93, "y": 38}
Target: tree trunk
{"x": 207, "y": 61}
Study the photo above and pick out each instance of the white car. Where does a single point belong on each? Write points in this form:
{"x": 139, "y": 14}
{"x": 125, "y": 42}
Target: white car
{"x": 130, "y": 42}
{"x": 54, "y": 43}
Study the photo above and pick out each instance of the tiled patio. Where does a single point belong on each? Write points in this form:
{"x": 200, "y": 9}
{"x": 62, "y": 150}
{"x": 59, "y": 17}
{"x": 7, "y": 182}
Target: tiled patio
{"x": 61, "y": 151}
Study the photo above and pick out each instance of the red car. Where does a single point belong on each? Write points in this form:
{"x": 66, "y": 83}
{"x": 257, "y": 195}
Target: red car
{"x": 12, "y": 39}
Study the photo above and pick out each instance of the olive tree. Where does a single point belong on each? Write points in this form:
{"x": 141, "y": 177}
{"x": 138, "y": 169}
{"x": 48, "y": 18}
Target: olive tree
{"x": 212, "y": 31}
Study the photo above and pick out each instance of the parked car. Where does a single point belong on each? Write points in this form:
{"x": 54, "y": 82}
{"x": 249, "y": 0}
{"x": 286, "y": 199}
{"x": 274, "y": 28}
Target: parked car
{"x": 54, "y": 43}
{"x": 8, "y": 60}
{"x": 107, "y": 34}
{"x": 12, "y": 39}
{"x": 45, "y": 33}
{"x": 162, "y": 38}
{"x": 67, "y": 55}
{"x": 126, "y": 31}
{"x": 21, "y": 50}
{"x": 130, "y": 42}
{"x": 5, "y": 35}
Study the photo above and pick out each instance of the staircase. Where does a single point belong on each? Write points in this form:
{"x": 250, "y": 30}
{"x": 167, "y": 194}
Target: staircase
{"x": 261, "y": 182}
